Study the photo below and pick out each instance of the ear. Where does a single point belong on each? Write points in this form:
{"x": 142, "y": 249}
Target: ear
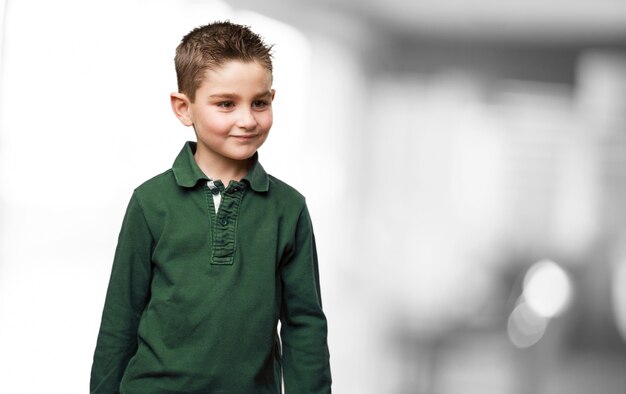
{"x": 180, "y": 105}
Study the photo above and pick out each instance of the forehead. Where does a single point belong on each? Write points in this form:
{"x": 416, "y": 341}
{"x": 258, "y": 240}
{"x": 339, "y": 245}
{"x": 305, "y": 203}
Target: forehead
{"x": 236, "y": 74}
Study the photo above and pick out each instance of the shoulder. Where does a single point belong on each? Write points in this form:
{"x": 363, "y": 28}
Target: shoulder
{"x": 157, "y": 185}
{"x": 283, "y": 190}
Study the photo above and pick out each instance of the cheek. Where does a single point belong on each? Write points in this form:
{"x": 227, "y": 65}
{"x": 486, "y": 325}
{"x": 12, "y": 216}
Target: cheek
{"x": 218, "y": 124}
{"x": 266, "y": 120}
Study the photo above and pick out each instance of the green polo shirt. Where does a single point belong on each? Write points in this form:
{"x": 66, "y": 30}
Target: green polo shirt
{"x": 195, "y": 297}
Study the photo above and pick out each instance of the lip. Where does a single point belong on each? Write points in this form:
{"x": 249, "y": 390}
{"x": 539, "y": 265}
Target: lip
{"x": 245, "y": 137}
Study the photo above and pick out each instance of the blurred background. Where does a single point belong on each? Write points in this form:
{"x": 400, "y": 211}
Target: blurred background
{"x": 464, "y": 163}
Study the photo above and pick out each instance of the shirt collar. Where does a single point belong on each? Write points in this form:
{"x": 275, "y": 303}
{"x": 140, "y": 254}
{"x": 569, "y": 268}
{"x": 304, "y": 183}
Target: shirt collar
{"x": 188, "y": 174}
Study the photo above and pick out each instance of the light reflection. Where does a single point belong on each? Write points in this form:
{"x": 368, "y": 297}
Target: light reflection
{"x": 525, "y": 327}
{"x": 547, "y": 289}
{"x": 619, "y": 295}
{"x": 546, "y": 294}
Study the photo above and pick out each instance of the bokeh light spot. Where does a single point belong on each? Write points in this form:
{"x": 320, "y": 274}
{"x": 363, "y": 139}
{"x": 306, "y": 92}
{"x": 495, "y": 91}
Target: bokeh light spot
{"x": 547, "y": 288}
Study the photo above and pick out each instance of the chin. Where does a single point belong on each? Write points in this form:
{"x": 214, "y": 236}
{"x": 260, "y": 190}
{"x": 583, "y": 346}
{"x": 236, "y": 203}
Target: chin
{"x": 243, "y": 156}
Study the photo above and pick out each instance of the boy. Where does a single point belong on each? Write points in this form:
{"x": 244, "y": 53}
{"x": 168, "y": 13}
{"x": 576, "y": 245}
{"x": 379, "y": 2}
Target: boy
{"x": 214, "y": 252}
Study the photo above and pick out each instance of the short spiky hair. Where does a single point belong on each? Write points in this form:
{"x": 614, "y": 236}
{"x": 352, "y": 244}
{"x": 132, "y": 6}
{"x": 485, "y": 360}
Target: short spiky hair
{"x": 212, "y": 45}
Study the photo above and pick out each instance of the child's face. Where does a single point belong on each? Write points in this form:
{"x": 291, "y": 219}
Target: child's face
{"x": 232, "y": 112}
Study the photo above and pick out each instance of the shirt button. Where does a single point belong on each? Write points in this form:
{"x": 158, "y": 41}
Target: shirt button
{"x": 223, "y": 221}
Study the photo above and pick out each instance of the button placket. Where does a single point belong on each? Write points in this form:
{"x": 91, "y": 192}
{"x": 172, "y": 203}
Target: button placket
{"x": 225, "y": 225}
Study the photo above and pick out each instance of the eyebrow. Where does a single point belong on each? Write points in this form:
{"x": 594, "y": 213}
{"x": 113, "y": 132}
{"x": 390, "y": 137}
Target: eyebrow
{"x": 230, "y": 96}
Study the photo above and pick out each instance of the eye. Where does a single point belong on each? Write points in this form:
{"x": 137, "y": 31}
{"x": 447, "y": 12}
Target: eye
{"x": 225, "y": 104}
{"x": 259, "y": 104}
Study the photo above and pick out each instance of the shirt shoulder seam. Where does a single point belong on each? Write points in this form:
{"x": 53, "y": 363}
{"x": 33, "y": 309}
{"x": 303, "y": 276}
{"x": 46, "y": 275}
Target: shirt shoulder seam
{"x": 154, "y": 179}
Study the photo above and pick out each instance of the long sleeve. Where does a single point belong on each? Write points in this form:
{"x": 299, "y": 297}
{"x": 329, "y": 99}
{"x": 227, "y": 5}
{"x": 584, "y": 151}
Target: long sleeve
{"x": 127, "y": 295}
{"x": 306, "y": 365}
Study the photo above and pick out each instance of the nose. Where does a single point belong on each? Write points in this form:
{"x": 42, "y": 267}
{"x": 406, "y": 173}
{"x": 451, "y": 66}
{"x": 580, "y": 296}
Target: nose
{"x": 247, "y": 120}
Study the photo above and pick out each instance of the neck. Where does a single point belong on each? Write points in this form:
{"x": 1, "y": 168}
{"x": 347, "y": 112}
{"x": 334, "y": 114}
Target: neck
{"x": 224, "y": 170}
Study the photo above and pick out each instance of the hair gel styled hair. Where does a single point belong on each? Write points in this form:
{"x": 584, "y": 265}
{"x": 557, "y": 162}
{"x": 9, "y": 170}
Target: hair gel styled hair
{"x": 210, "y": 46}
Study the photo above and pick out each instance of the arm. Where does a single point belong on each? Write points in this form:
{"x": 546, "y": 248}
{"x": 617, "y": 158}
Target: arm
{"x": 127, "y": 295}
{"x": 306, "y": 364}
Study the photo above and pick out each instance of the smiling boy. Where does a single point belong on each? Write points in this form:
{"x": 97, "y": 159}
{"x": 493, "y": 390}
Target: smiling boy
{"x": 214, "y": 252}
